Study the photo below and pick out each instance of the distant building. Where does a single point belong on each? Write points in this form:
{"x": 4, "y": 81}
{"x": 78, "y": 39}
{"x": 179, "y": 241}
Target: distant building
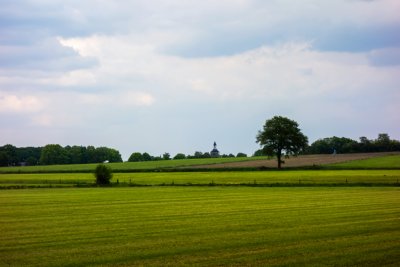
{"x": 214, "y": 153}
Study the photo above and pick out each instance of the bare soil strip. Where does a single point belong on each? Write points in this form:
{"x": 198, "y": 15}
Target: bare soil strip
{"x": 300, "y": 161}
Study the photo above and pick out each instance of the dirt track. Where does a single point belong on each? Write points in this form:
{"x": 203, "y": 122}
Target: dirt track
{"x": 300, "y": 161}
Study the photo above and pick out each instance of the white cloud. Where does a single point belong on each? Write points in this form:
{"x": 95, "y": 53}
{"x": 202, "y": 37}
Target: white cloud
{"x": 135, "y": 99}
{"x": 381, "y": 12}
{"x": 90, "y": 99}
{"x": 10, "y": 103}
{"x": 71, "y": 78}
{"x": 274, "y": 72}
{"x": 122, "y": 99}
{"x": 45, "y": 120}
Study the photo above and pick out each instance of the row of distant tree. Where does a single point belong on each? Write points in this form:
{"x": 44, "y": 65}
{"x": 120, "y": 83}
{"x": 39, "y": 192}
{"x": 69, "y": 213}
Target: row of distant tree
{"x": 346, "y": 145}
{"x": 56, "y": 154}
{"x": 137, "y": 156}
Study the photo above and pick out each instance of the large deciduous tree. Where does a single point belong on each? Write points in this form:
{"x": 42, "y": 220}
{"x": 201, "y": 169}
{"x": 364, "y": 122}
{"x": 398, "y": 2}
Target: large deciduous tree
{"x": 281, "y": 136}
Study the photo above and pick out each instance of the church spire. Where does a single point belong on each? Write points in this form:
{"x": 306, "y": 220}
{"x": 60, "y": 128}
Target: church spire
{"x": 215, "y": 153}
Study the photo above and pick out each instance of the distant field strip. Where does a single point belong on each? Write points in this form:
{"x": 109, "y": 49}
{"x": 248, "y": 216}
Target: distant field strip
{"x": 126, "y": 166}
{"x": 308, "y": 177}
{"x": 386, "y": 160}
{"x": 392, "y": 161}
{"x": 325, "y": 161}
{"x": 200, "y": 226}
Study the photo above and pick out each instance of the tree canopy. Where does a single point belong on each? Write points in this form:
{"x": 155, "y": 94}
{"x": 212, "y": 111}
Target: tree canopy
{"x": 103, "y": 174}
{"x": 180, "y": 156}
{"x": 281, "y": 136}
{"x": 56, "y": 154}
{"x": 344, "y": 145}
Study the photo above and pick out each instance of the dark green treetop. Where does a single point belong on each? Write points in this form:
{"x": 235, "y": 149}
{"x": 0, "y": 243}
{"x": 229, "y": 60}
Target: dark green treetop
{"x": 103, "y": 174}
{"x": 281, "y": 135}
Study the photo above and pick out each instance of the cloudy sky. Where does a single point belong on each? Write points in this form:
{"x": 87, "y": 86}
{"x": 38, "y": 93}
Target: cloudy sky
{"x": 176, "y": 75}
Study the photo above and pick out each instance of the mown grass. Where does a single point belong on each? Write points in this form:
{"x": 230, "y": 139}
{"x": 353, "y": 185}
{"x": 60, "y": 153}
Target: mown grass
{"x": 288, "y": 178}
{"x": 387, "y": 162}
{"x": 200, "y": 226}
{"x": 124, "y": 166}
{"x": 265, "y": 177}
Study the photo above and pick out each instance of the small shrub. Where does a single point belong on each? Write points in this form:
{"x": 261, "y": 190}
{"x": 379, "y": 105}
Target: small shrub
{"x": 103, "y": 174}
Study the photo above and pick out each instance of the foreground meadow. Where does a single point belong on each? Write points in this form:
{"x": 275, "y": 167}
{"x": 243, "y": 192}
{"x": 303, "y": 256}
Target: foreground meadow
{"x": 205, "y": 226}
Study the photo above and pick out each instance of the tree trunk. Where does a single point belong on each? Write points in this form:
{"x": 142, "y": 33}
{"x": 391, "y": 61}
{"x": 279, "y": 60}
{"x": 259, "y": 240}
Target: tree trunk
{"x": 279, "y": 156}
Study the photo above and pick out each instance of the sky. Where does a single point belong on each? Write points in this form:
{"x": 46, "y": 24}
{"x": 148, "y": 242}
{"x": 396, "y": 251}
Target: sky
{"x": 174, "y": 76}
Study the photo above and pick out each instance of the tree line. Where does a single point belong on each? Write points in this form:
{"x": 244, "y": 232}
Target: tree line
{"x": 138, "y": 157}
{"x": 344, "y": 145}
{"x": 56, "y": 154}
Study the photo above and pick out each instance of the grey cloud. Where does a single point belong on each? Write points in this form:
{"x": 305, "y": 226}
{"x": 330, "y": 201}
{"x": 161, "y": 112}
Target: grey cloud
{"x": 252, "y": 28}
{"x": 385, "y": 57}
{"x": 216, "y": 28}
{"x": 351, "y": 38}
{"x": 67, "y": 18}
{"x": 47, "y": 55}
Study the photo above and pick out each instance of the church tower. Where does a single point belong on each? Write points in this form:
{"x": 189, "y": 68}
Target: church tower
{"x": 214, "y": 153}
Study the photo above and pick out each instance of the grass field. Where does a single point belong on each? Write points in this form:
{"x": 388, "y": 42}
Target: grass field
{"x": 125, "y": 166}
{"x": 303, "y": 177}
{"x": 386, "y": 162}
{"x": 200, "y": 226}
{"x": 330, "y": 217}
{"x": 341, "y": 161}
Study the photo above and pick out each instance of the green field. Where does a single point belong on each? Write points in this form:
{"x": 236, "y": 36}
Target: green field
{"x": 330, "y": 217}
{"x": 387, "y": 162}
{"x": 302, "y": 177}
{"x": 384, "y": 162}
{"x": 200, "y": 226}
{"x": 124, "y": 166}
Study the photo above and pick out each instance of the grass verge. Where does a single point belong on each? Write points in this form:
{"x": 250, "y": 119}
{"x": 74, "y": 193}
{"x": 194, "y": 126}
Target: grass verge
{"x": 235, "y": 178}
